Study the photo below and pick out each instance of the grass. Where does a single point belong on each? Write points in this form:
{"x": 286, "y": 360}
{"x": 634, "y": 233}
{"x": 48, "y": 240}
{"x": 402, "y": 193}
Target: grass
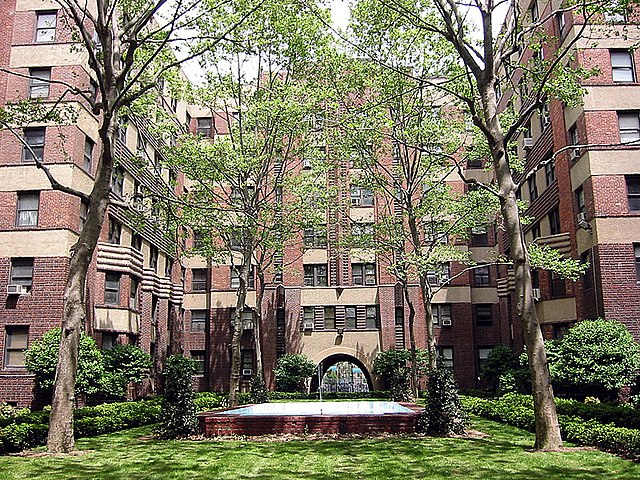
{"x": 501, "y": 455}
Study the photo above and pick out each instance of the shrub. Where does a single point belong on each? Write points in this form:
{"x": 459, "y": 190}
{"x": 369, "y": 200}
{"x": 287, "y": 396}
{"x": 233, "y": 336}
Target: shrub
{"x": 17, "y": 437}
{"x": 124, "y": 364}
{"x": 443, "y": 413}
{"x": 394, "y": 369}
{"x": 258, "y": 390}
{"x": 205, "y": 401}
{"x": 500, "y": 362}
{"x": 178, "y": 407}
{"x": 292, "y": 370}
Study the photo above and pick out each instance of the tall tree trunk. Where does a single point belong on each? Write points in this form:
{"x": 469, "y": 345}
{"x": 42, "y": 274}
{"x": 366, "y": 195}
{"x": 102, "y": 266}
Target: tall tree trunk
{"x": 60, "y": 437}
{"x": 412, "y": 340}
{"x": 257, "y": 327}
{"x": 548, "y": 435}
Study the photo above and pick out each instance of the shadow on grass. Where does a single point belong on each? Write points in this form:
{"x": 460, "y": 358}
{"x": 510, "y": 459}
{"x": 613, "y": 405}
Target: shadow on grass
{"x": 502, "y": 455}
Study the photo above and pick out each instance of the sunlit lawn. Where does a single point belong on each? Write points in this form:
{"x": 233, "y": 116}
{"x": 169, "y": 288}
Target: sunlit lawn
{"x": 501, "y": 455}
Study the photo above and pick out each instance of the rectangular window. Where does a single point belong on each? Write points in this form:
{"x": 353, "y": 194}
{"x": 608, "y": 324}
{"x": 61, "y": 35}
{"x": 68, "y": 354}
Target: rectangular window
{"x": 134, "y": 302}
{"x": 633, "y": 192}
{"x": 15, "y": 344}
{"x": 587, "y": 276}
{"x": 441, "y": 314}
{"x": 45, "y": 27}
{"x": 199, "y": 280}
{"x": 399, "y": 327}
{"x": 247, "y": 363}
{"x": 561, "y": 23}
{"x": 533, "y": 187}
{"x": 34, "y": 137}
{"x": 445, "y": 355}
{"x": 574, "y": 140}
{"x": 198, "y": 320}
{"x": 109, "y": 340}
{"x": 315, "y": 275}
{"x": 535, "y": 230}
{"x": 372, "y": 317}
{"x": 141, "y": 146}
{"x": 550, "y": 172}
{"x": 621, "y": 66}
{"x": 39, "y": 82}
{"x": 247, "y": 318}
{"x": 558, "y": 286}
{"x": 315, "y": 236}
{"x": 629, "y": 125}
{"x": 235, "y": 279}
{"x": 481, "y": 276}
{"x": 28, "y": 205}
{"x": 483, "y": 353}
{"x": 329, "y": 318}
{"x": 545, "y": 116}
{"x": 554, "y": 221}
{"x": 580, "y": 206}
{"x": 361, "y": 197}
{"x": 115, "y": 231}
{"x": 22, "y": 272}
{"x": 117, "y": 181}
{"x": 308, "y": 317}
{"x": 363, "y": 273}
{"x": 204, "y": 127}
{"x": 483, "y": 315}
{"x": 636, "y": 251}
{"x": 153, "y": 258}
{"x": 479, "y": 236}
{"x": 350, "y": 318}
{"x": 197, "y": 356}
{"x": 112, "y": 288}
{"x": 88, "y": 154}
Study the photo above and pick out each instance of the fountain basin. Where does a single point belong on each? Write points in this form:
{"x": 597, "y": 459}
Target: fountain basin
{"x": 312, "y": 417}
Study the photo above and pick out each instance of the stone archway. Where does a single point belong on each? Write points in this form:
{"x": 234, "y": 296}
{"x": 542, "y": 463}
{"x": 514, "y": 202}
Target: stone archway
{"x": 333, "y": 359}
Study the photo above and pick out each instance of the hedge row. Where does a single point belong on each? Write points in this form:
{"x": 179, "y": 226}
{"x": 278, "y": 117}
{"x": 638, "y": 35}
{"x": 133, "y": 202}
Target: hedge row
{"x": 619, "y": 440}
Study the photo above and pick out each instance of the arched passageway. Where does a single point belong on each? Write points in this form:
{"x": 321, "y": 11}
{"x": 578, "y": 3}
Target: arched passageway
{"x": 342, "y": 373}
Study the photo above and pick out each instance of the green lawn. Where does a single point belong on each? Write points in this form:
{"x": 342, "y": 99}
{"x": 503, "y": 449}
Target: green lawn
{"x": 502, "y": 455}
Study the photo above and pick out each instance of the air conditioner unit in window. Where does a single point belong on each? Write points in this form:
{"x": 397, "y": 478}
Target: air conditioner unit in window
{"x": 247, "y": 325}
{"x": 582, "y": 217}
{"x": 527, "y": 143}
{"x": 355, "y": 202}
{"x": 247, "y": 372}
{"x": 308, "y": 325}
{"x": 306, "y": 163}
{"x": 446, "y": 322}
{"x": 575, "y": 153}
{"x": 17, "y": 290}
{"x": 536, "y": 294}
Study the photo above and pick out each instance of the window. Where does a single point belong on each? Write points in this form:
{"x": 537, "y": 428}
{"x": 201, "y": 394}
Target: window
{"x": 235, "y": 279}
{"x": 545, "y": 116}
{"x": 479, "y": 236}
{"x": 112, "y": 288}
{"x": 362, "y": 229}
{"x": 247, "y": 363}
{"x": 361, "y": 197}
{"x": 136, "y": 242}
{"x": 483, "y": 353}
{"x": 574, "y": 140}
{"x": 439, "y": 276}
{"x": 372, "y": 317}
{"x": 561, "y": 23}
{"x": 550, "y": 172}
{"x": 580, "y": 200}
{"x": 15, "y": 344}
{"x": 121, "y": 132}
{"x": 198, "y": 320}
{"x": 315, "y": 275}
{"x": 535, "y": 230}
{"x": 39, "y": 82}
{"x": 84, "y": 211}
{"x": 633, "y": 192}
{"x": 199, "y": 241}
{"x": 533, "y": 187}
{"x": 204, "y": 127}
{"x": 28, "y": 204}
{"x": 636, "y": 251}
{"x": 34, "y": 137}
{"x": 45, "y": 27}
{"x": 109, "y": 340}
{"x": 350, "y": 318}
{"x": 115, "y": 231}
{"x": 141, "y": 146}
{"x": 629, "y": 125}
{"x": 533, "y": 12}
{"x": 363, "y": 273}
{"x": 399, "y": 328}
{"x": 445, "y": 355}
{"x": 88, "y": 154}
{"x": 315, "y": 236}
{"x": 133, "y": 293}
{"x": 22, "y": 272}
{"x": 329, "y": 318}
{"x": 621, "y": 66}
{"x": 587, "y": 276}
{"x": 558, "y": 287}
{"x": 117, "y": 181}
{"x": 197, "y": 356}
{"x": 441, "y": 314}
{"x": 308, "y": 316}
{"x": 247, "y": 319}
{"x": 483, "y": 315}
{"x": 153, "y": 258}
{"x": 554, "y": 221}
{"x": 199, "y": 280}
{"x": 481, "y": 276}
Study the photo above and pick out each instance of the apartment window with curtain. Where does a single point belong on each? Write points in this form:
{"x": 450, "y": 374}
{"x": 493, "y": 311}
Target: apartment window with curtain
{"x": 28, "y": 206}
{"x": 45, "y": 27}
{"x": 621, "y": 66}
{"x": 112, "y": 288}
{"x": 629, "y": 126}
{"x": 39, "y": 82}
{"x": 34, "y": 137}
{"x": 16, "y": 343}
{"x": 363, "y": 273}
{"x": 315, "y": 275}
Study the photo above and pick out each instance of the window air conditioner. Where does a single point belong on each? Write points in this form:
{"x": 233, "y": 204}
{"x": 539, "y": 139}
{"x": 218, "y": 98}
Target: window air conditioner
{"x": 527, "y": 143}
{"x": 536, "y": 294}
{"x": 16, "y": 289}
{"x": 355, "y": 202}
{"x": 247, "y": 372}
{"x": 308, "y": 325}
{"x": 575, "y": 153}
{"x": 247, "y": 325}
{"x": 446, "y": 322}
{"x": 582, "y": 217}
{"x": 306, "y": 163}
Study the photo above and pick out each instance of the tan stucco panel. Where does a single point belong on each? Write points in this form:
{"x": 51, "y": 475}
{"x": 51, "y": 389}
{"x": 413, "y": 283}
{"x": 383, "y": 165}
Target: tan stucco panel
{"x": 348, "y": 296}
{"x": 314, "y": 255}
{"x": 361, "y": 215}
{"x": 37, "y": 243}
{"x": 617, "y": 230}
{"x": 117, "y": 320}
{"x": 361, "y": 255}
{"x": 193, "y": 262}
{"x": 27, "y": 5}
{"x": 455, "y": 295}
{"x": 198, "y": 301}
{"x": 608, "y": 36}
{"x": 558, "y": 310}
{"x": 484, "y": 295}
{"x": 28, "y": 177}
{"x": 361, "y": 345}
{"x": 46, "y": 55}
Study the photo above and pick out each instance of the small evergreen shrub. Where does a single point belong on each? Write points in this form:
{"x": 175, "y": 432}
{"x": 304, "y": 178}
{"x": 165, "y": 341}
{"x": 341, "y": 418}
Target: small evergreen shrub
{"x": 178, "y": 408}
{"x": 258, "y": 390}
{"x": 443, "y": 413}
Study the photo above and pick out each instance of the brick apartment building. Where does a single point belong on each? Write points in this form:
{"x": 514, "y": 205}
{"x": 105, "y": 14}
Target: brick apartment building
{"x": 332, "y": 305}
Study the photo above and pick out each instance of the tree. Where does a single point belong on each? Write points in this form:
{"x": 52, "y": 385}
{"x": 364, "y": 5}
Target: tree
{"x": 125, "y": 364}
{"x": 443, "y": 413}
{"x": 501, "y": 360}
{"x": 395, "y": 368}
{"x": 292, "y": 370}
{"x": 597, "y": 356}
{"x": 469, "y": 59}
{"x": 127, "y": 47}
{"x": 247, "y": 200}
